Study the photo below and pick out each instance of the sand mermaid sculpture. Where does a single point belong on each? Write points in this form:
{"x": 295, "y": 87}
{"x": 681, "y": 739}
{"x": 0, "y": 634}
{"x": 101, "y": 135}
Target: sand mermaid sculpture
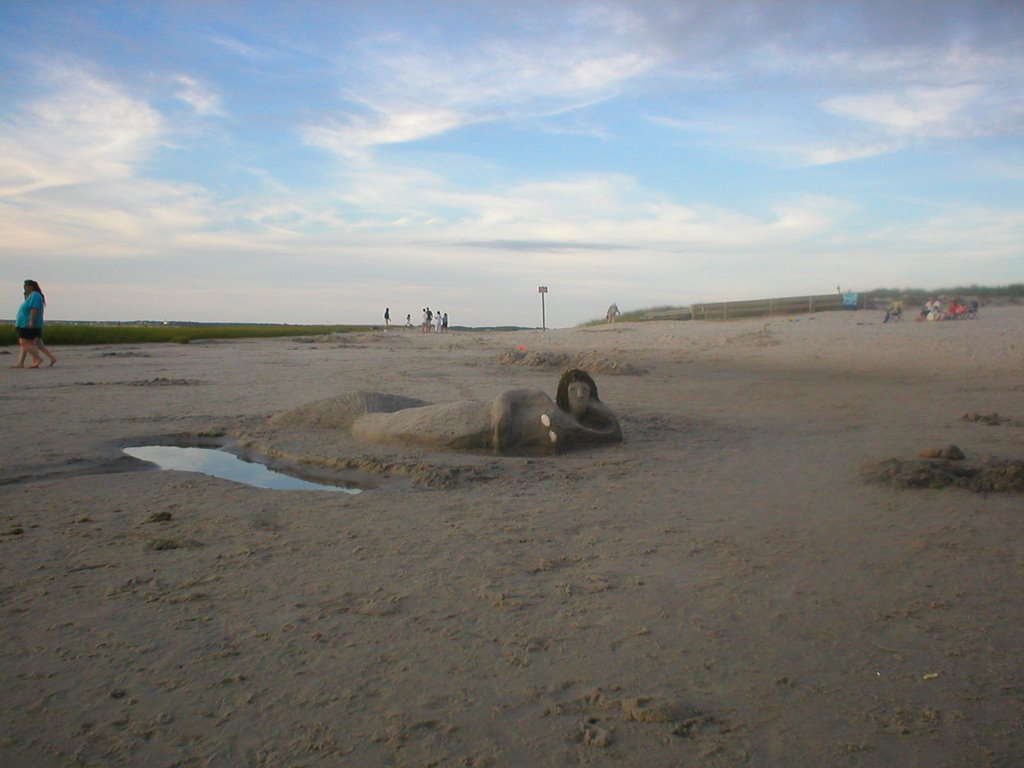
{"x": 518, "y": 421}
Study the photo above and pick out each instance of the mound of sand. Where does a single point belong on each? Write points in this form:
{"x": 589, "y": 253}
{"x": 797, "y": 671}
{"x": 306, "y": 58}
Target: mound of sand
{"x": 993, "y": 476}
{"x": 592, "y": 362}
{"x": 339, "y": 412}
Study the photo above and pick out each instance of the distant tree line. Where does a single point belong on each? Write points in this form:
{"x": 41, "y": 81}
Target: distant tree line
{"x": 983, "y": 293}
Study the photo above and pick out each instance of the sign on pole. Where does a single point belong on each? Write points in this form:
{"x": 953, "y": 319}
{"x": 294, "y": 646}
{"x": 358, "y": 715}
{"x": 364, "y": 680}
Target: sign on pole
{"x": 543, "y": 320}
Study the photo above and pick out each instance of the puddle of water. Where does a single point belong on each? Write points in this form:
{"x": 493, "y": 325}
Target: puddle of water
{"x": 227, "y": 466}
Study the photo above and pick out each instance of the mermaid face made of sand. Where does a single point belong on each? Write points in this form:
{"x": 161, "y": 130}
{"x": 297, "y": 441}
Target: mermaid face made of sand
{"x": 518, "y": 421}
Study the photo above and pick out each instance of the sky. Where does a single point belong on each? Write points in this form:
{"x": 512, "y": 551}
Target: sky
{"x": 315, "y": 162}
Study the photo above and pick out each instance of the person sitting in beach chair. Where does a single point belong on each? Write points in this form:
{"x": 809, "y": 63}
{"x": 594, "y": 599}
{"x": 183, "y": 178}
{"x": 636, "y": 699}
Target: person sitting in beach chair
{"x": 894, "y": 312}
{"x": 955, "y": 310}
{"x": 972, "y": 310}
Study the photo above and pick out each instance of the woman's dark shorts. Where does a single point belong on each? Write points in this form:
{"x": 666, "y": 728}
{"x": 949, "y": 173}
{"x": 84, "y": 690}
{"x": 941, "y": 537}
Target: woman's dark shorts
{"x": 28, "y": 334}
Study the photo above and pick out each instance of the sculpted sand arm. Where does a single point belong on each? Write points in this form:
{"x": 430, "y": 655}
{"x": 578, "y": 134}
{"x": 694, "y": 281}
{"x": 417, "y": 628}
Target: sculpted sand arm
{"x": 516, "y": 418}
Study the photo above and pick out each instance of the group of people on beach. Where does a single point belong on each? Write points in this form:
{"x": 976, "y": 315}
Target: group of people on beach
{"x": 432, "y": 321}
{"x": 932, "y": 309}
{"x": 957, "y": 310}
{"x": 28, "y": 325}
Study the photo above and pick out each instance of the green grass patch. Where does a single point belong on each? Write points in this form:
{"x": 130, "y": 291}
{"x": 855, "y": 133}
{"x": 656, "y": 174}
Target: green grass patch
{"x": 76, "y": 334}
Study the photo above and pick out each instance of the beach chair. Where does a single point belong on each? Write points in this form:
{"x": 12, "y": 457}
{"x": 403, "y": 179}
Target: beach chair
{"x": 972, "y": 311}
{"x": 894, "y": 313}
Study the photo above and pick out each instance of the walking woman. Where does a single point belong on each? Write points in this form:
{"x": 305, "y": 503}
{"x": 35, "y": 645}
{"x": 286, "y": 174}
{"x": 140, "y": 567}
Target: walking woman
{"x": 29, "y": 326}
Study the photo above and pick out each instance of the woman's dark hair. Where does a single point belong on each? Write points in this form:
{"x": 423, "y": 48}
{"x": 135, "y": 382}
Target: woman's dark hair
{"x": 35, "y": 289}
{"x": 570, "y": 377}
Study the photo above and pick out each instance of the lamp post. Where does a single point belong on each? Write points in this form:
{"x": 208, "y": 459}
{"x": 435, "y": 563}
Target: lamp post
{"x": 543, "y": 321}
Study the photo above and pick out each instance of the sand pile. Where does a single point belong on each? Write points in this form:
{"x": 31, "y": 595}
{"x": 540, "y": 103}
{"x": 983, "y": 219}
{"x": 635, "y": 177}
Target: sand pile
{"x": 339, "y": 412}
{"x": 991, "y": 476}
{"x": 592, "y": 362}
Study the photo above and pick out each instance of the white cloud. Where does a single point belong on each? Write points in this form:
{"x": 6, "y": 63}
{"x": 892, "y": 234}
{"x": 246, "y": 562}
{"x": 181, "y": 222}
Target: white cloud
{"x": 71, "y": 180}
{"x": 352, "y": 138}
{"x": 913, "y": 111}
{"x": 104, "y": 219}
{"x": 204, "y": 99}
{"x": 406, "y": 91}
{"x": 843, "y": 151}
{"x": 851, "y": 97}
{"x": 895, "y": 96}
{"x": 238, "y": 48}
{"x": 83, "y": 129}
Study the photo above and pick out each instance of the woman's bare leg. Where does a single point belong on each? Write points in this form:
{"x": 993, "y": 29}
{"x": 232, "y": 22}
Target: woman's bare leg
{"x": 21, "y": 357}
{"x": 46, "y": 351}
{"x": 28, "y": 346}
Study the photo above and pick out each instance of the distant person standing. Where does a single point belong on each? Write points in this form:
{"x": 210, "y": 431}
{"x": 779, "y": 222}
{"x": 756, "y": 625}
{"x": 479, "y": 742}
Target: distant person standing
{"x": 387, "y": 318}
{"x": 408, "y": 320}
{"x": 444, "y": 323}
{"x": 437, "y": 321}
{"x": 28, "y": 324}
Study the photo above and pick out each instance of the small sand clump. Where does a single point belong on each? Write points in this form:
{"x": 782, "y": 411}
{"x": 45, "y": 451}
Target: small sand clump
{"x": 993, "y": 476}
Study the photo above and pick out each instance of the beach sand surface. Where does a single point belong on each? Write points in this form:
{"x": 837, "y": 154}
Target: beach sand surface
{"x": 729, "y": 586}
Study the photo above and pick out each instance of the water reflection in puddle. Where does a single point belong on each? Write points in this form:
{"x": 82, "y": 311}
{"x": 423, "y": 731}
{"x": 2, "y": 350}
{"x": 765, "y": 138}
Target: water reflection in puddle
{"x": 227, "y": 466}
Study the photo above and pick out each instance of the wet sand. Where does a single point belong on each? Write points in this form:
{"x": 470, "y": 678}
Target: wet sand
{"x": 726, "y": 587}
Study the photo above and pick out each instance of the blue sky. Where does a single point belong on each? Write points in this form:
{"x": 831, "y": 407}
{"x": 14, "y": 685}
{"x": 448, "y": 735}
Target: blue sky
{"x": 314, "y": 162}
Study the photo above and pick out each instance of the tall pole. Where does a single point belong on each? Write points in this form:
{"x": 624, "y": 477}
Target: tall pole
{"x": 543, "y": 319}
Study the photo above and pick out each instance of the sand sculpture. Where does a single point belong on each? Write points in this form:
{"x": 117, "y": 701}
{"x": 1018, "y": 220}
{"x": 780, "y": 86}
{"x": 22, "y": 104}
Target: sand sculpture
{"x": 518, "y": 421}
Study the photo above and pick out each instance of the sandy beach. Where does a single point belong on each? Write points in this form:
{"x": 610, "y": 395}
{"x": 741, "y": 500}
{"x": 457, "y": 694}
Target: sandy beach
{"x": 742, "y": 581}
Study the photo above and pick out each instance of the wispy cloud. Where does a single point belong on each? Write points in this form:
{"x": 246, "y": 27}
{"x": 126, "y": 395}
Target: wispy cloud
{"x": 238, "y": 48}
{"x": 72, "y": 175}
{"x": 899, "y": 96}
{"x": 203, "y": 98}
{"x": 828, "y": 153}
{"x": 404, "y": 91}
{"x": 857, "y": 94}
{"x": 83, "y": 128}
{"x": 945, "y": 91}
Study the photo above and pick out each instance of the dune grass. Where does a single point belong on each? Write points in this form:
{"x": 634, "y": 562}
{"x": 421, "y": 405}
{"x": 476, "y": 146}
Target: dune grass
{"x": 76, "y": 334}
